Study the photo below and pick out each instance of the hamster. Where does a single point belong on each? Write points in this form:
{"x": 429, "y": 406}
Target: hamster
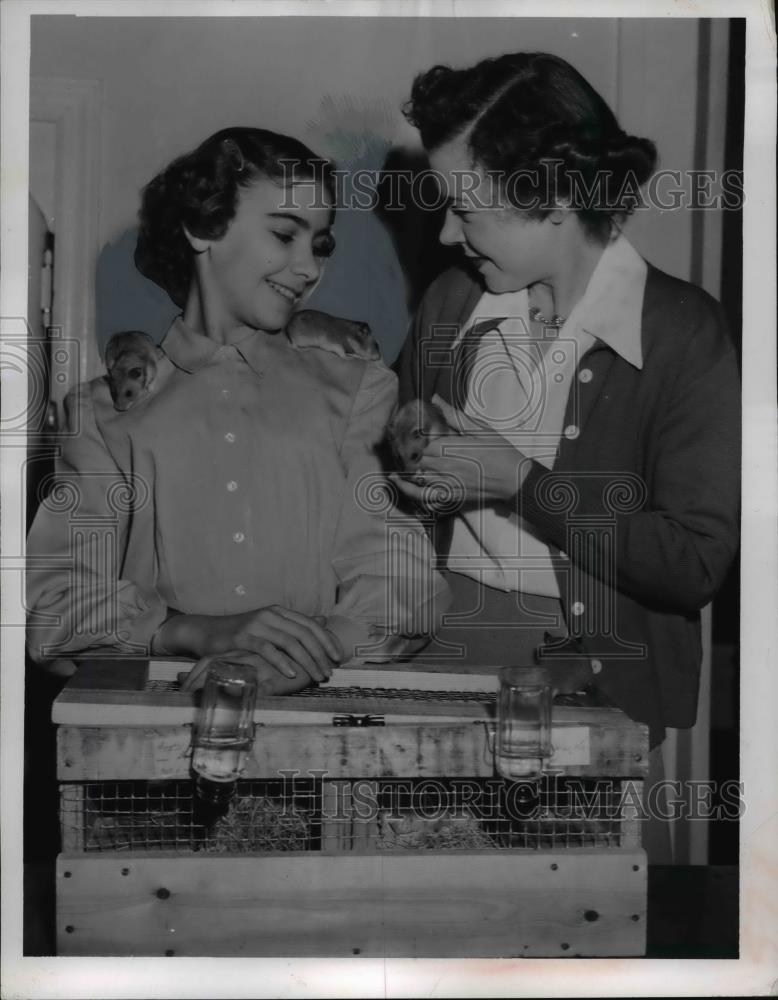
{"x": 131, "y": 360}
{"x": 411, "y": 428}
{"x": 344, "y": 337}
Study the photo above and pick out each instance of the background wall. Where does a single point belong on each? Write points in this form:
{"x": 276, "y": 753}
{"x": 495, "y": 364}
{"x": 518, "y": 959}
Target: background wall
{"x": 169, "y": 82}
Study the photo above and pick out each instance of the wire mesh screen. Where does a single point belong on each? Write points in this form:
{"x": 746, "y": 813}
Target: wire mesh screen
{"x": 427, "y": 814}
{"x": 263, "y": 816}
{"x": 359, "y": 816}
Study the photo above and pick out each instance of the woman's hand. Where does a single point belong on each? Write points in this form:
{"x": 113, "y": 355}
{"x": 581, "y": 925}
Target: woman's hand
{"x": 287, "y": 641}
{"x": 269, "y": 680}
{"x": 470, "y": 468}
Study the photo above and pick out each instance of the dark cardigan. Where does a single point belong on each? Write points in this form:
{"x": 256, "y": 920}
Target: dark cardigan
{"x": 643, "y": 500}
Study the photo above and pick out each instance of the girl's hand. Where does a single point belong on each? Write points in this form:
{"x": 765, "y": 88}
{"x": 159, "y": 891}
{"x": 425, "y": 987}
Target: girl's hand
{"x": 471, "y": 467}
{"x": 269, "y": 680}
{"x": 288, "y": 641}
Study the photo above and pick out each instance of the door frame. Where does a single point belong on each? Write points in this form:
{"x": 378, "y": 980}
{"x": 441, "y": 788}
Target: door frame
{"x": 74, "y": 107}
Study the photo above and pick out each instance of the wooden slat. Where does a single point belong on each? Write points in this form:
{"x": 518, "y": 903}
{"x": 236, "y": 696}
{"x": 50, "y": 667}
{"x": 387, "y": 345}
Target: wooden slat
{"x": 133, "y": 708}
{"x": 616, "y": 747}
{"x": 336, "y": 832}
{"x": 396, "y": 904}
{"x": 106, "y": 692}
{"x": 632, "y": 824}
{"x": 71, "y": 809}
{"x": 425, "y": 676}
{"x": 130, "y": 674}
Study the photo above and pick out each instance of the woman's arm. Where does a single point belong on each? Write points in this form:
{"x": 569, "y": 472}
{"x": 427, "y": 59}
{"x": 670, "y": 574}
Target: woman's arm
{"x": 388, "y": 586}
{"x": 675, "y": 552}
{"x": 76, "y": 598}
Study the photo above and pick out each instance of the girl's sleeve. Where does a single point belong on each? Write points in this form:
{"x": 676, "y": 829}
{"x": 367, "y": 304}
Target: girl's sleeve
{"x": 76, "y": 599}
{"x": 389, "y": 589}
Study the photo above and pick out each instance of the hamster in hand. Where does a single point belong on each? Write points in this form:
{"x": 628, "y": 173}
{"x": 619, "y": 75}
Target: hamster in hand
{"x": 411, "y": 428}
{"x": 131, "y": 359}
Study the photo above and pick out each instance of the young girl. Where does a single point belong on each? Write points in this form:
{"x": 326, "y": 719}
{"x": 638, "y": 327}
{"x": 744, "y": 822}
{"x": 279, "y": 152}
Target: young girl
{"x": 232, "y": 508}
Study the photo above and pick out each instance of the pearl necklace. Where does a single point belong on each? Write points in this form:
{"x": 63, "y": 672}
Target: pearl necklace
{"x": 556, "y": 320}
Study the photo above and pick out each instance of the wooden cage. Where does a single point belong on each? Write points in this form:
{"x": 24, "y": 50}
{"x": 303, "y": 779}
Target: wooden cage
{"x": 369, "y": 821}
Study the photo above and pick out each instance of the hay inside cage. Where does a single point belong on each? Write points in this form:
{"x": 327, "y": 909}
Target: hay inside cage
{"x": 258, "y": 823}
{"x": 411, "y": 832}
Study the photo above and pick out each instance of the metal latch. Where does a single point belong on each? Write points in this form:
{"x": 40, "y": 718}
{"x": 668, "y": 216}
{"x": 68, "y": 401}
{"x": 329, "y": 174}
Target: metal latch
{"x": 358, "y": 720}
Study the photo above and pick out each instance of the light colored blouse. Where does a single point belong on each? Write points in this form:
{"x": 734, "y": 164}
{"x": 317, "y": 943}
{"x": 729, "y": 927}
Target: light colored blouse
{"x": 521, "y": 385}
{"x": 247, "y": 477}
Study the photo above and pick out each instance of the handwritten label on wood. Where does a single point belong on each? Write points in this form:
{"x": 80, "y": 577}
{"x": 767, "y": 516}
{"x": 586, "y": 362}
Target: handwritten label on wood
{"x": 571, "y": 745}
{"x": 170, "y": 759}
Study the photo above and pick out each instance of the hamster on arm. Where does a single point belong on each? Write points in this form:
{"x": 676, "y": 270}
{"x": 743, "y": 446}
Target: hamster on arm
{"x": 390, "y": 594}
{"x": 131, "y": 359}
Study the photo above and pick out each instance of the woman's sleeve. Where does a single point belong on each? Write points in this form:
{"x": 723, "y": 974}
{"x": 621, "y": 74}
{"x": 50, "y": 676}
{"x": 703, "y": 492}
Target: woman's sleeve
{"x": 675, "y": 551}
{"x": 75, "y": 597}
{"x": 385, "y": 565}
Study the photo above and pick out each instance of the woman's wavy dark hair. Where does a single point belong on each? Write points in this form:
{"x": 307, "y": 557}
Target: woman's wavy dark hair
{"x": 200, "y": 191}
{"x": 536, "y": 122}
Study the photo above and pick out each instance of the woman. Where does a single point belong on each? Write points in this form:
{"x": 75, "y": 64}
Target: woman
{"x": 597, "y": 470}
{"x": 230, "y": 509}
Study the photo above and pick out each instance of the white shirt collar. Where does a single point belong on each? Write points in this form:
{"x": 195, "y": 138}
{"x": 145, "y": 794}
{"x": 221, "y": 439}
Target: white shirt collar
{"x": 611, "y": 308}
{"x": 612, "y": 305}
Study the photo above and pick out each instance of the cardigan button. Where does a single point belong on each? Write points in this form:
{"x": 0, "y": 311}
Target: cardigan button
{"x": 577, "y": 608}
{"x": 585, "y": 375}
{"x": 596, "y": 666}
{"x": 572, "y": 432}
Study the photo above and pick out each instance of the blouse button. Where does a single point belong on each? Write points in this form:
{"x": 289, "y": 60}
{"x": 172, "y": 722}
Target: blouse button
{"x": 577, "y": 608}
{"x": 596, "y": 666}
{"x": 571, "y": 432}
{"x": 240, "y": 590}
{"x": 585, "y": 375}
{"x": 229, "y": 437}
{"x": 232, "y": 486}
{"x": 238, "y": 537}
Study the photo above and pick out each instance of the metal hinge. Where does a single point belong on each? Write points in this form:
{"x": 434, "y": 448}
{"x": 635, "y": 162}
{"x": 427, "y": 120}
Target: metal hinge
{"x": 358, "y": 720}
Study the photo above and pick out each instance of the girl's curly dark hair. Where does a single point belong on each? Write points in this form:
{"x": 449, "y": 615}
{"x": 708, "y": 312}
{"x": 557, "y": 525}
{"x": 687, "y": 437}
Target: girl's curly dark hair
{"x": 536, "y": 122}
{"x": 200, "y": 191}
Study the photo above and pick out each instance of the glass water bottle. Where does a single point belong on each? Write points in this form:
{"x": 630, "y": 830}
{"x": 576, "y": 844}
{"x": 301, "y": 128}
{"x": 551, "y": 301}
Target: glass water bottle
{"x": 523, "y": 741}
{"x": 223, "y": 730}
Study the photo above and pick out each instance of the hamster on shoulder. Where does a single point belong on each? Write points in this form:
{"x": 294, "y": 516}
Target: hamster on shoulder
{"x": 344, "y": 337}
{"x": 131, "y": 362}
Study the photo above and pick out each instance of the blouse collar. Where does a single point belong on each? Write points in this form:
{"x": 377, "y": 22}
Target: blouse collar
{"x": 191, "y": 351}
{"x": 612, "y": 305}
